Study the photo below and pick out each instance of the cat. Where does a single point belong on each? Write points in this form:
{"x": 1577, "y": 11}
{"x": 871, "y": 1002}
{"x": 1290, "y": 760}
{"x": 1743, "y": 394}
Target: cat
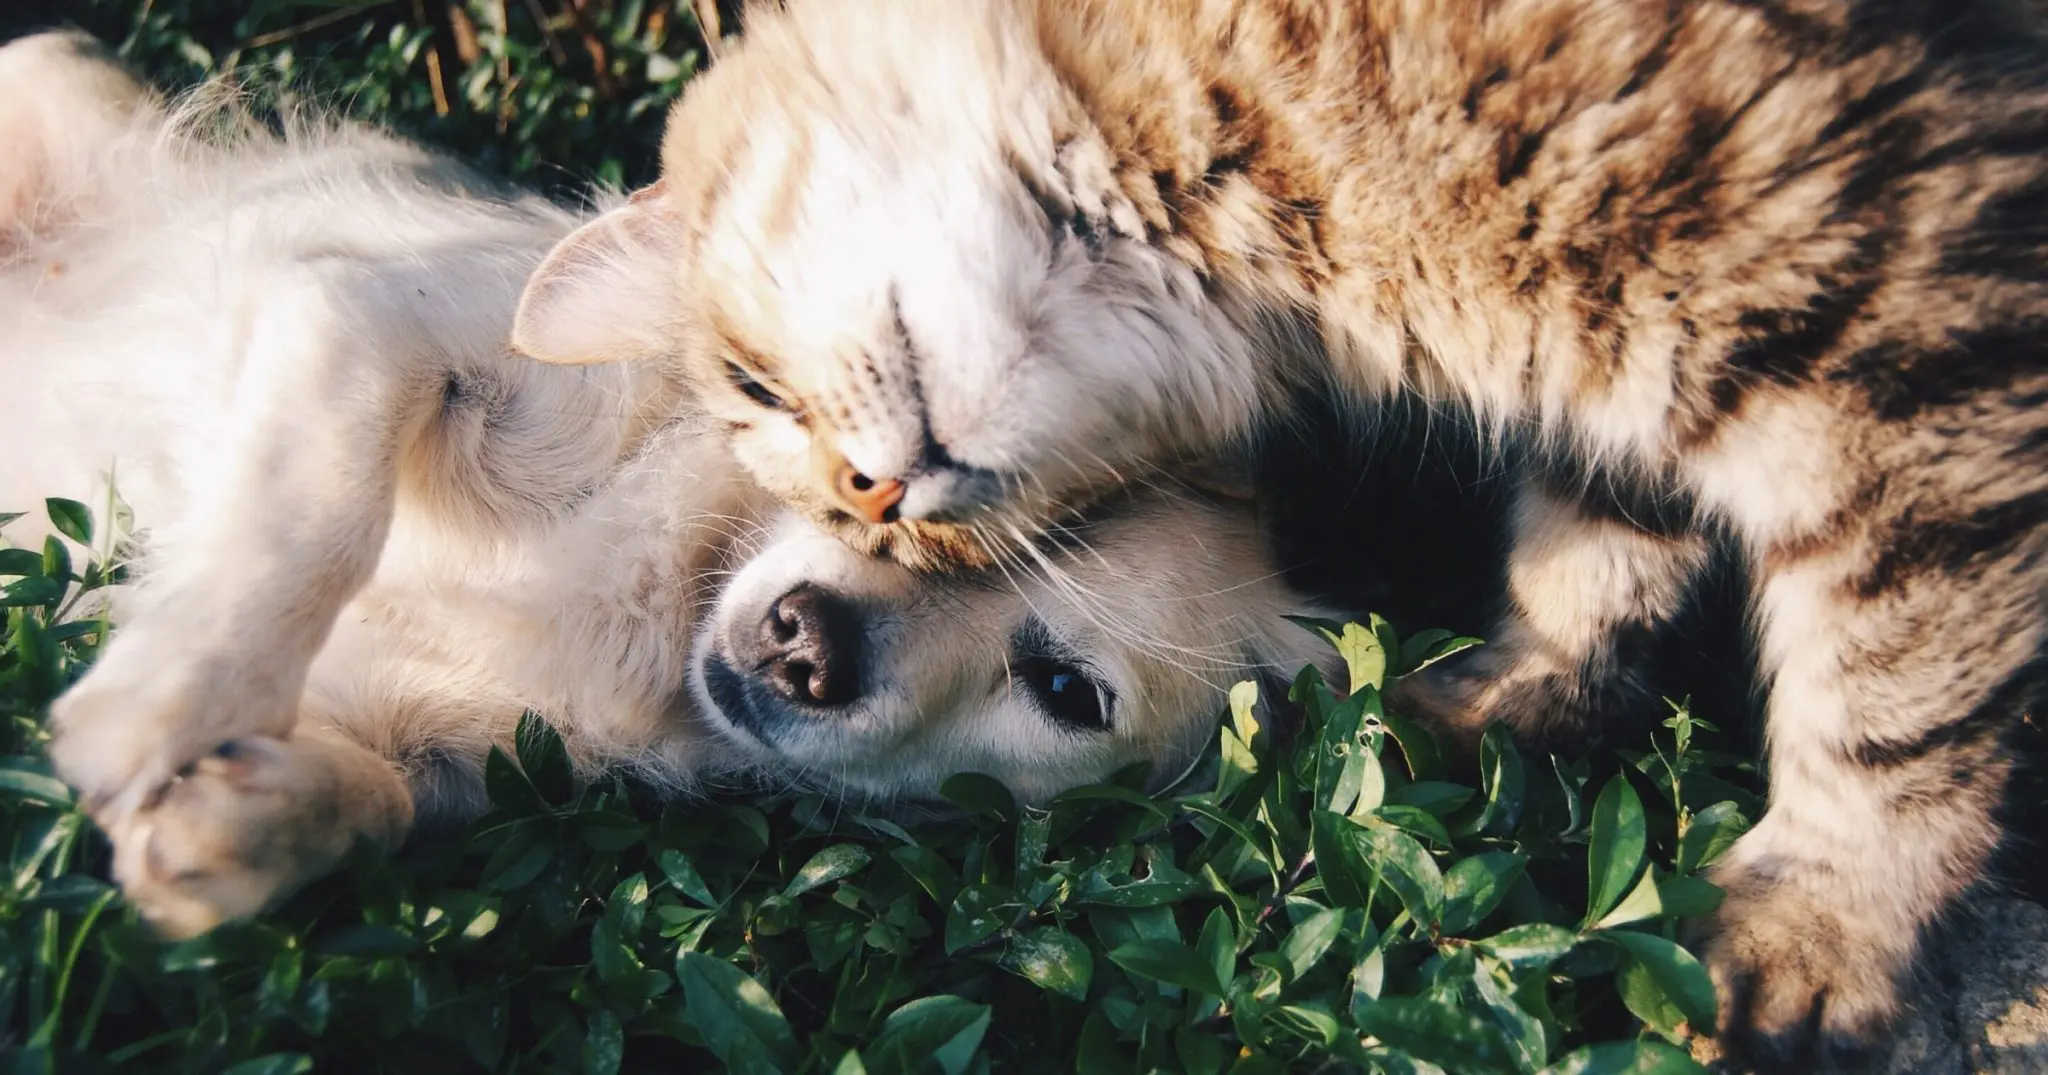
{"x": 372, "y": 537}
{"x": 950, "y": 269}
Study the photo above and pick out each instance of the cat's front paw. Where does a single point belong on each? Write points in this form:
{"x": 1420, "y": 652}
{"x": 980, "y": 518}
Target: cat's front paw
{"x": 1804, "y": 983}
{"x": 244, "y": 826}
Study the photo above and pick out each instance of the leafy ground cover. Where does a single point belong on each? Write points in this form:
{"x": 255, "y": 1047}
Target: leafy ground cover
{"x": 1334, "y": 898}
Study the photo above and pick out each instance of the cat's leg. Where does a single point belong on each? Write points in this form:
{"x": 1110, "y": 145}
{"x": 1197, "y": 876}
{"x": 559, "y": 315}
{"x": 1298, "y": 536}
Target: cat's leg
{"x": 287, "y": 516}
{"x": 249, "y": 823}
{"x": 1590, "y": 584}
{"x": 1902, "y": 637}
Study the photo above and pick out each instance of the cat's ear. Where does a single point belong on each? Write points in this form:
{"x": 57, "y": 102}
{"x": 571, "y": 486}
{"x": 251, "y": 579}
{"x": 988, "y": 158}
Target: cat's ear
{"x": 606, "y": 293}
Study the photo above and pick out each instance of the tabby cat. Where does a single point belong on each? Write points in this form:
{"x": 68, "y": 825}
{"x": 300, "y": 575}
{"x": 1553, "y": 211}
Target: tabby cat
{"x": 951, "y": 269}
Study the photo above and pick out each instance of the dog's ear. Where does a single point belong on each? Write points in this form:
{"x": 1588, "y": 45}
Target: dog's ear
{"x": 606, "y": 293}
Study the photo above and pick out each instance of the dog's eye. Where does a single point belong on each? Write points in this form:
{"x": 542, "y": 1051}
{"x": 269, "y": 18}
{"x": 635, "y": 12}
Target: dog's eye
{"x": 1065, "y": 692}
{"x": 754, "y": 389}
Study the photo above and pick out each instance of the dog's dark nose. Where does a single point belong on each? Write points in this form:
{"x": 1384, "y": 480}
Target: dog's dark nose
{"x": 810, "y": 648}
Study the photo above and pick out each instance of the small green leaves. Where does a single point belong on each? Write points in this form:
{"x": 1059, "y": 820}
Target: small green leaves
{"x": 1340, "y": 898}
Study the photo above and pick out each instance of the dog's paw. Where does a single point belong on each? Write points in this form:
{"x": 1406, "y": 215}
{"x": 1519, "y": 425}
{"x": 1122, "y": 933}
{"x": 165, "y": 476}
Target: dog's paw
{"x": 1803, "y": 984}
{"x": 146, "y": 712}
{"x": 244, "y": 826}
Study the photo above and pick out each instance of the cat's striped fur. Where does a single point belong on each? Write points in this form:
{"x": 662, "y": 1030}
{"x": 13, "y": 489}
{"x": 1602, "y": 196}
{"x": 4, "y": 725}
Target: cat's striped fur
{"x": 1776, "y": 266}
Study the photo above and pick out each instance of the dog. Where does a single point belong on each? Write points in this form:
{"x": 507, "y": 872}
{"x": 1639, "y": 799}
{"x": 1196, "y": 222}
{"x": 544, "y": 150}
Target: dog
{"x": 372, "y": 536}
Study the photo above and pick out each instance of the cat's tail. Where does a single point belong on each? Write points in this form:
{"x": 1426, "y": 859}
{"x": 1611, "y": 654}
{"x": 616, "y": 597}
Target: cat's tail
{"x": 63, "y": 99}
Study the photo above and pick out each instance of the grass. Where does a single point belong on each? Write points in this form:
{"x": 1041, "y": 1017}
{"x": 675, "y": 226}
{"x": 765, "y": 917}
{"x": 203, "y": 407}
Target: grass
{"x": 1335, "y": 899}
{"x": 1340, "y": 901}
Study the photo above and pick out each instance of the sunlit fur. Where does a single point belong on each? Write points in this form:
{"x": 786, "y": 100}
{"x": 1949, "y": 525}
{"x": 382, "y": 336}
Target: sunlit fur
{"x": 1773, "y": 265}
{"x": 372, "y": 537}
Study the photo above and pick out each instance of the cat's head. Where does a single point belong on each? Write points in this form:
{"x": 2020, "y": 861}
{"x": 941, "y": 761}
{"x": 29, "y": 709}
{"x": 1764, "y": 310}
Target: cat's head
{"x": 894, "y": 259}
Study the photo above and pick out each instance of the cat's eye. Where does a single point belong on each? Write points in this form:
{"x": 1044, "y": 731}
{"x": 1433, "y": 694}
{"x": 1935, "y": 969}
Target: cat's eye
{"x": 1065, "y": 692}
{"x": 752, "y": 388}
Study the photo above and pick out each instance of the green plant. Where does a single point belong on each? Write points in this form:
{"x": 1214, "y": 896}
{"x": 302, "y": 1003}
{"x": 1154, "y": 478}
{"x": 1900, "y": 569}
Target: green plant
{"x": 554, "y": 92}
{"x": 1345, "y": 901}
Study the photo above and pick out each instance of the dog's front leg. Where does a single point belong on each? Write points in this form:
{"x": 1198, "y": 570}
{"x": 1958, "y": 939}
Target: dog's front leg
{"x": 289, "y": 506}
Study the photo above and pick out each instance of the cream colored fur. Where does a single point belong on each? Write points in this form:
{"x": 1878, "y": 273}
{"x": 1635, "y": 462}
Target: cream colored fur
{"x": 373, "y": 536}
{"x": 952, "y": 269}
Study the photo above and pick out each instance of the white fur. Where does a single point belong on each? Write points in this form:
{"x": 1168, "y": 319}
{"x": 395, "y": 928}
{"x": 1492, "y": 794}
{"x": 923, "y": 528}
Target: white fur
{"x": 373, "y": 536}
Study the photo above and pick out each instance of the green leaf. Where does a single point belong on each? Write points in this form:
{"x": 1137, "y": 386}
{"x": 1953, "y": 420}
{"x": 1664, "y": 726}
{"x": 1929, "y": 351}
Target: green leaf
{"x": 1425, "y": 762}
{"x": 1688, "y": 897}
{"x": 21, "y": 780}
{"x": 71, "y": 518}
{"x": 542, "y": 757}
{"x": 604, "y": 1043}
{"x": 1309, "y": 1022}
{"x": 1642, "y": 902}
{"x": 931, "y": 872}
{"x": 1218, "y": 944}
{"x": 1446, "y": 649}
{"x": 1530, "y": 946}
{"x": 56, "y": 559}
{"x": 980, "y": 795}
{"x": 1711, "y": 832}
{"x": 977, "y": 913}
{"x": 1341, "y": 758}
{"x": 1523, "y": 1031}
{"x": 682, "y": 874}
{"x": 519, "y": 860}
{"x": 1474, "y": 887}
{"x": 1170, "y": 962}
{"x": 827, "y": 866}
{"x": 1114, "y": 793}
{"x": 1165, "y": 884}
{"x": 1506, "y": 782}
{"x": 273, "y": 1064}
{"x": 1452, "y": 1038}
{"x": 1365, "y": 659}
{"x": 1640, "y": 1057}
{"x": 943, "y": 1029}
{"x": 1310, "y": 938}
{"x": 1053, "y": 959}
{"x": 20, "y": 563}
{"x": 1614, "y": 853}
{"x": 9, "y": 516}
{"x": 508, "y": 786}
{"x": 1677, "y": 977}
{"x": 1404, "y": 866}
{"x": 740, "y": 1022}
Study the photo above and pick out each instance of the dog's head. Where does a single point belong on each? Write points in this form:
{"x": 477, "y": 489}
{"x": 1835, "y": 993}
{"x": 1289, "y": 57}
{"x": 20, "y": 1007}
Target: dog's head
{"x": 1117, "y": 643}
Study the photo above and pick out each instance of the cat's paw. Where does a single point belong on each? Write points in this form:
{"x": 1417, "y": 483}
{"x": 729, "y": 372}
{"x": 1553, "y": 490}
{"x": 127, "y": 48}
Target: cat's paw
{"x": 146, "y": 712}
{"x": 1804, "y": 983}
{"x": 244, "y": 826}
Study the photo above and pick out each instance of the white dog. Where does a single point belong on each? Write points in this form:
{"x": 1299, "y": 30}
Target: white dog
{"x": 373, "y": 537}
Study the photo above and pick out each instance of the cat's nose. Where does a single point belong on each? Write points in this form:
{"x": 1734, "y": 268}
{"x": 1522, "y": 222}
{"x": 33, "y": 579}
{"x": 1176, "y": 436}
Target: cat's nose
{"x": 810, "y": 644}
{"x": 874, "y": 500}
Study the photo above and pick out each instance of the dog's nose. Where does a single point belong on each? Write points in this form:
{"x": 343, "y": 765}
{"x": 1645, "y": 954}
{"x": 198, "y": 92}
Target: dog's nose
{"x": 810, "y": 648}
{"x": 872, "y": 499}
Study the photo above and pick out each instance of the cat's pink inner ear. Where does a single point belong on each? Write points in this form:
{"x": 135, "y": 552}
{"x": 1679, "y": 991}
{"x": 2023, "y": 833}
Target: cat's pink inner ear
{"x": 605, "y": 293}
